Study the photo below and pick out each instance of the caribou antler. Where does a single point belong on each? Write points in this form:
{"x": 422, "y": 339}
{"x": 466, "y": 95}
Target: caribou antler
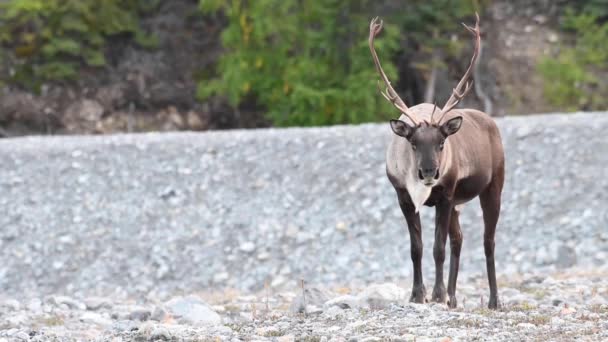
{"x": 458, "y": 93}
{"x": 390, "y": 94}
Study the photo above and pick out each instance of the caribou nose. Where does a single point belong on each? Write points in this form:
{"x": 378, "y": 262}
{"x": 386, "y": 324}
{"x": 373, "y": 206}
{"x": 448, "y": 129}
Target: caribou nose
{"x": 426, "y": 173}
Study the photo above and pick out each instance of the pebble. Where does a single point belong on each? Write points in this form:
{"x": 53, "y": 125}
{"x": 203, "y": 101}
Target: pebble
{"x": 192, "y": 310}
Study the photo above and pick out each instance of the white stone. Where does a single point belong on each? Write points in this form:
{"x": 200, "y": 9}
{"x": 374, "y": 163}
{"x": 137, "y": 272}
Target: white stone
{"x": 381, "y": 296}
{"x": 192, "y": 310}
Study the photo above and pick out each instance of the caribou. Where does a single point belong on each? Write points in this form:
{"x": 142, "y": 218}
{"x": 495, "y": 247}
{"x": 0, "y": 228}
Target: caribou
{"x": 444, "y": 158}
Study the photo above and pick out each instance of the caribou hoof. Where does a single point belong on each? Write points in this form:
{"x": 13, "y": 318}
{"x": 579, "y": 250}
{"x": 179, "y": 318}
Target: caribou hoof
{"x": 493, "y": 303}
{"x": 418, "y": 295}
{"x": 439, "y": 294}
{"x": 452, "y": 303}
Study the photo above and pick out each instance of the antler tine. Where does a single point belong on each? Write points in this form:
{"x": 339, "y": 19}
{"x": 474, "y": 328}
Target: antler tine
{"x": 390, "y": 94}
{"x": 458, "y": 93}
{"x": 433, "y": 112}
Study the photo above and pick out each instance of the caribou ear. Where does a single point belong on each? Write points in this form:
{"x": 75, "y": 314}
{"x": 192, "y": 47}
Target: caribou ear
{"x": 451, "y": 126}
{"x": 402, "y": 129}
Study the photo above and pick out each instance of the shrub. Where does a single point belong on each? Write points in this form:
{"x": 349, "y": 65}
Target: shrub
{"x": 569, "y": 79}
{"x": 52, "y": 39}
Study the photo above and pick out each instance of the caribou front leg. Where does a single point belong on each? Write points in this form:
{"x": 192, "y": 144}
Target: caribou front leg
{"x": 442, "y": 222}
{"x": 414, "y": 227}
{"x": 455, "y": 247}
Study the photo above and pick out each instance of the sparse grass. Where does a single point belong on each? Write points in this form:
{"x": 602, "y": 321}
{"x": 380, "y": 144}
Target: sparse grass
{"x": 234, "y": 327}
{"x": 232, "y": 308}
{"x": 274, "y": 333}
{"x": 537, "y": 292}
{"x": 467, "y": 322}
{"x": 540, "y": 294}
{"x": 589, "y": 318}
{"x": 590, "y": 331}
{"x": 483, "y": 311}
{"x": 599, "y": 309}
{"x": 522, "y": 307}
{"x": 52, "y": 321}
{"x": 309, "y": 339}
{"x": 363, "y": 311}
{"x": 539, "y": 319}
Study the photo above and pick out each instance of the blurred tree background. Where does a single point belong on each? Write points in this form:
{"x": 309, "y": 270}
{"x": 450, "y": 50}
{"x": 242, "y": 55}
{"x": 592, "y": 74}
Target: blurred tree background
{"x": 571, "y": 79}
{"x": 92, "y": 66}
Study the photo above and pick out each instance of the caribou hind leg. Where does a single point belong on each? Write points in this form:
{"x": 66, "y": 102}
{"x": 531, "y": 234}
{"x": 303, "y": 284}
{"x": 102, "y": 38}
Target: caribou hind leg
{"x": 490, "y": 205}
{"x": 455, "y": 246}
{"x": 414, "y": 227}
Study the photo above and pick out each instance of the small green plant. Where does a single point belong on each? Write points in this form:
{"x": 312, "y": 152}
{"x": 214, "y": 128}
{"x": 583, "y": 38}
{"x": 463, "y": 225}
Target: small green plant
{"x": 52, "y": 321}
{"x": 538, "y": 319}
{"x": 524, "y": 306}
{"x": 52, "y": 39}
{"x": 569, "y": 79}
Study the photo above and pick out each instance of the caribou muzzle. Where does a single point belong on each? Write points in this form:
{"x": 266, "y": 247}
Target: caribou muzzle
{"x": 428, "y": 175}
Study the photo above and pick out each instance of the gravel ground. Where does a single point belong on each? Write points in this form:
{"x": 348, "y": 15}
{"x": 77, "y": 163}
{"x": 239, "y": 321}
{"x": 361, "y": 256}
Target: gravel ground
{"x": 555, "y": 307}
{"x": 136, "y": 220}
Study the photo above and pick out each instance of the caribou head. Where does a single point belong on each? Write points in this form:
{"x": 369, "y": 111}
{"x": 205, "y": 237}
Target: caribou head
{"x": 428, "y": 143}
{"x": 427, "y": 138}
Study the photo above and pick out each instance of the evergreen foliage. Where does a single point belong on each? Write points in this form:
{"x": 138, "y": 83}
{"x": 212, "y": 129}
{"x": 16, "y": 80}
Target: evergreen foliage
{"x": 570, "y": 79}
{"x": 52, "y": 39}
{"x": 308, "y": 62}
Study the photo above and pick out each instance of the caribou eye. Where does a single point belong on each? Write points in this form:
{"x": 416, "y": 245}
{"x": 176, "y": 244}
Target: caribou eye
{"x": 441, "y": 147}
{"x": 413, "y": 147}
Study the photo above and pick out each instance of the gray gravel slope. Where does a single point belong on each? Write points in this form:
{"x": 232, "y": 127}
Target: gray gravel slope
{"x": 162, "y": 214}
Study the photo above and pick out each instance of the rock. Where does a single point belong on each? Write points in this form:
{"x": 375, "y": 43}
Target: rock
{"x": 141, "y": 315}
{"x": 95, "y": 318}
{"x": 247, "y": 247}
{"x": 82, "y": 115}
{"x": 567, "y": 310}
{"x": 310, "y": 298}
{"x": 192, "y": 310}
{"x": 333, "y": 311}
{"x": 526, "y": 326}
{"x": 21, "y": 335}
{"x": 540, "y": 19}
{"x": 11, "y": 304}
{"x": 566, "y": 257}
{"x": 96, "y": 303}
{"x": 263, "y": 256}
{"x": 17, "y": 319}
{"x": 370, "y": 339}
{"x": 34, "y": 305}
{"x": 221, "y": 277}
{"x": 381, "y": 296}
{"x": 542, "y": 256}
{"x": 286, "y": 338}
{"x": 160, "y": 333}
{"x": 158, "y": 314}
{"x": 111, "y": 97}
{"x": 194, "y": 121}
{"x": 123, "y": 325}
{"x": 552, "y": 38}
{"x": 70, "y": 302}
{"x": 343, "y": 302}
